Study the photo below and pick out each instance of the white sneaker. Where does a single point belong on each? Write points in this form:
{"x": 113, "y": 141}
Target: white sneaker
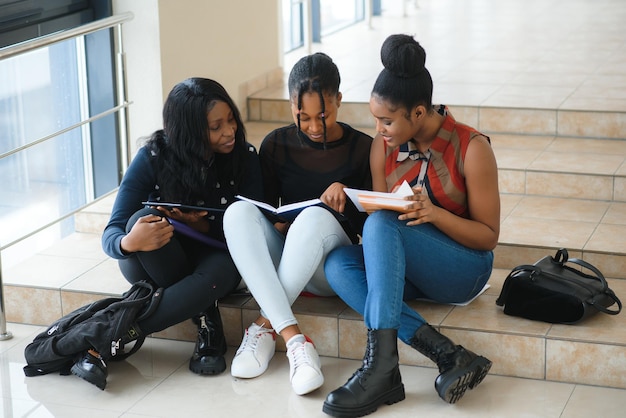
{"x": 254, "y": 353}
{"x": 304, "y": 365}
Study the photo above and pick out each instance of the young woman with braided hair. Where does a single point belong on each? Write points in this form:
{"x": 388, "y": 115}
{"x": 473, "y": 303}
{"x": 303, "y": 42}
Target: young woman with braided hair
{"x": 440, "y": 250}
{"x": 315, "y": 157}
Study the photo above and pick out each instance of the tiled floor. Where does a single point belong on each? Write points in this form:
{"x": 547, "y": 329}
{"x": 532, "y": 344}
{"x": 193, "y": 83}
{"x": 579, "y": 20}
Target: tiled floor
{"x": 554, "y": 54}
{"x": 156, "y": 382}
{"x": 541, "y": 55}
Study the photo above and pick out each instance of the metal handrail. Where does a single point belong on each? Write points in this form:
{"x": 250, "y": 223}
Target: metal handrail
{"x": 31, "y": 45}
{"x": 64, "y": 130}
{"x": 46, "y": 40}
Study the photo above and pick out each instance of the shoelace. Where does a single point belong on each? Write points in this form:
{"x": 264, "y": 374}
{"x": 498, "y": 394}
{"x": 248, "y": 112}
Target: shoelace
{"x": 250, "y": 342}
{"x": 299, "y": 356}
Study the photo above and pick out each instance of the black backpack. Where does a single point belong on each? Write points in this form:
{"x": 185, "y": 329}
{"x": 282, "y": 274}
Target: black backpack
{"x": 103, "y": 325}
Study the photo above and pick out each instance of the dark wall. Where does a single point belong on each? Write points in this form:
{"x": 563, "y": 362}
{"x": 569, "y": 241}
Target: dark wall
{"x": 21, "y": 20}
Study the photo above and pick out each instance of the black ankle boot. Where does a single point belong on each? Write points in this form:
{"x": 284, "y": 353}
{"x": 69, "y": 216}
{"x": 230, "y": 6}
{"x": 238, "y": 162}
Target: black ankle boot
{"x": 377, "y": 382}
{"x": 208, "y": 356}
{"x": 459, "y": 369}
{"x": 91, "y": 367}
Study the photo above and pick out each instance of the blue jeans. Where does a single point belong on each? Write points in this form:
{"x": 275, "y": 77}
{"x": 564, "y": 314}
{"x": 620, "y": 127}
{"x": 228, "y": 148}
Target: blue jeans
{"x": 397, "y": 262}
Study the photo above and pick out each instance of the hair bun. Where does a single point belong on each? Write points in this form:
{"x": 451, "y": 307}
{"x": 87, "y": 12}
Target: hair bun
{"x": 403, "y": 56}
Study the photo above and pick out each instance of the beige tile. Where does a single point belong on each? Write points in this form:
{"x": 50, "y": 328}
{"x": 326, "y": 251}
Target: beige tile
{"x": 608, "y": 238}
{"x": 17, "y": 307}
{"x": 468, "y": 115}
{"x": 80, "y": 245}
{"x": 48, "y": 271}
{"x": 545, "y": 232}
{"x": 592, "y": 124}
{"x": 233, "y": 326}
{"x": 519, "y": 121}
{"x": 616, "y": 214}
{"x": 594, "y": 401}
{"x": 512, "y": 181}
{"x": 105, "y": 277}
{"x": 254, "y": 109}
{"x": 510, "y": 256}
{"x": 610, "y": 147}
{"x": 357, "y": 115}
{"x": 463, "y": 93}
{"x": 433, "y": 313}
{"x": 496, "y": 280}
{"x": 560, "y": 209}
{"x": 610, "y": 264}
{"x": 516, "y": 159}
{"x": 276, "y": 111}
{"x": 577, "y": 162}
{"x": 586, "y": 363}
{"x": 521, "y": 142}
{"x": 323, "y": 306}
{"x": 322, "y": 330}
{"x": 587, "y": 104}
{"x": 569, "y": 185}
{"x": 508, "y": 202}
{"x": 547, "y": 97}
{"x": 257, "y": 131}
{"x": 619, "y": 192}
{"x": 276, "y": 91}
{"x": 352, "y": 338}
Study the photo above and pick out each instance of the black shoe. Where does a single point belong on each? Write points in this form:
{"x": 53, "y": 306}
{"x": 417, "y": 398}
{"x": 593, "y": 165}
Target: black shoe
{"x": 208, "y": 355}
{"x": 459, "y": 368}
{"x": 92, "y": 368}
{"x": 377, "y": 382}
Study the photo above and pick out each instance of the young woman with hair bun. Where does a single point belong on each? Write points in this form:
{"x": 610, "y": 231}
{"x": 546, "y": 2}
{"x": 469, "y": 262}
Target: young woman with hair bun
{"x": 441, "y": 250}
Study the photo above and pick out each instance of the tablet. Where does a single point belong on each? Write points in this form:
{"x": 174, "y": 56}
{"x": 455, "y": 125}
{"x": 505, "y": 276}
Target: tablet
{"x": 183, "y": 208}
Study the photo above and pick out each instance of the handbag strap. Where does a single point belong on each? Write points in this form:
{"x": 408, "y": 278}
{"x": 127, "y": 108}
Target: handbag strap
{"x": 562, "y": 257}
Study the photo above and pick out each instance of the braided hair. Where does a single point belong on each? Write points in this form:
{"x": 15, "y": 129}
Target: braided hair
{"x": 316, "y": 73}
{"x": 405, "y": 81}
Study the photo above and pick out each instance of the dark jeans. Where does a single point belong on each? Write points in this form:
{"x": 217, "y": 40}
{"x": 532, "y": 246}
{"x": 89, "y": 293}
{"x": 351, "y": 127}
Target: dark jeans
{"x": 193, "y": 276}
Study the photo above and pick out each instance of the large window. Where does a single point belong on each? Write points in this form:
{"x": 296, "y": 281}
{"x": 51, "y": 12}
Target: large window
{"x": 321, "y": 17}
{"x": 46, "y": 94}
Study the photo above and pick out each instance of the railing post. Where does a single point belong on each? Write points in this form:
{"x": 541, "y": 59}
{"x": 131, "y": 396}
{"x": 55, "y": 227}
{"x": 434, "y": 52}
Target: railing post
{"x": 4, "y": 334}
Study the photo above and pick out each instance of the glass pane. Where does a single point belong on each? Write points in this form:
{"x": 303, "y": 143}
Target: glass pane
{"x": 292, "y": 25}
{"x": 337, "y": 14}
{"x": 40, "y": 94}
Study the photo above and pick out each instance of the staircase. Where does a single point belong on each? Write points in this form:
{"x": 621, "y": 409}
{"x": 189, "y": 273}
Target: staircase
{"x": 563, "y": 184}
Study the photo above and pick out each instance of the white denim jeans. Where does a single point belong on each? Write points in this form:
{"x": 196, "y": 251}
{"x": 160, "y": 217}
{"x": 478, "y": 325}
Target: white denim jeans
{"x": 277, "y": 268}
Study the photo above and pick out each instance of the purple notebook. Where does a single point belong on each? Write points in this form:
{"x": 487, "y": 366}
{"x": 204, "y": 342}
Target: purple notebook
{"x": 197, "y": 235}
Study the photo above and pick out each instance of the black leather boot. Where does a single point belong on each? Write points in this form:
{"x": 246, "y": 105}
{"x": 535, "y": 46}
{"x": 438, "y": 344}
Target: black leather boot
{"x": 91, "y": 367}
{"x": 459, "y": 369}
{"x": 208, "y": 356}
{"x": 377, "y": 382}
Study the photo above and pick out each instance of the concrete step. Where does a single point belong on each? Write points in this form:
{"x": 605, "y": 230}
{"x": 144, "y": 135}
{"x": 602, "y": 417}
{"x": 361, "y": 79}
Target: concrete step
{"x": 74, "y": 273}
{"x": 556, "y": 191}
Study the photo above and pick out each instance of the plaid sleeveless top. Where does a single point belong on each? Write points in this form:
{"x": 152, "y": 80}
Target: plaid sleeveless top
{"x": 444, "y": 177}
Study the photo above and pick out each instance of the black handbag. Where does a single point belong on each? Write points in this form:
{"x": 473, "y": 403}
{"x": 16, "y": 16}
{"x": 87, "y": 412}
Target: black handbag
{"x": 554, "y": 292}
